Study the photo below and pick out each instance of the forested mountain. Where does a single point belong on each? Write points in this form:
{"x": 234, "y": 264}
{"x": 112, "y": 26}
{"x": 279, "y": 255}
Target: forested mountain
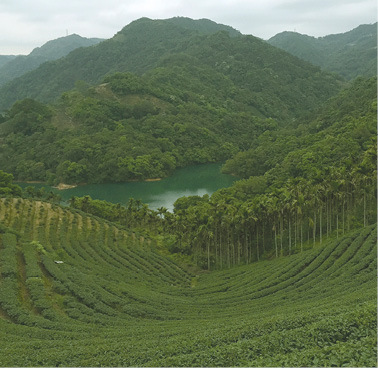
{"x": 52, "y": 50}
{"x": 201, "y": 97}
{"x": 349, "y": 116}
{"x": 349, "y": 54}
{"x": 146, "y": 44}
{"x": 277, "y": 270}
{"x": 5, "y": 59}
{"x": 302, "y": 186}
{"x": 205, "y": 26}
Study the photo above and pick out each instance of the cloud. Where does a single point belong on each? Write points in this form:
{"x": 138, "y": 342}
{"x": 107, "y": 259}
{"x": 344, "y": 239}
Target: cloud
{"x": 26, "y": 24}
{"x": 316, "y": 18}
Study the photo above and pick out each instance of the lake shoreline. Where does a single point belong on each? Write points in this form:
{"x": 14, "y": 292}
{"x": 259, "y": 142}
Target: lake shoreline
{"x": 64, "y": 186}
{"x": 196, "y": 180}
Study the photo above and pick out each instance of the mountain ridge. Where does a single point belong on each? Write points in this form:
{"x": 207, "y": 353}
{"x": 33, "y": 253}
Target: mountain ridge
{"x": 144, "y": 43}
{"x": 5, "y": 59}
{"x": 349, "y": 54}
{"x": 52, "y": 50}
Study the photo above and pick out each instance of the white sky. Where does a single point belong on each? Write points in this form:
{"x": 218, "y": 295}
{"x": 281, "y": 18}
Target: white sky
{"x": 26, "y": 24}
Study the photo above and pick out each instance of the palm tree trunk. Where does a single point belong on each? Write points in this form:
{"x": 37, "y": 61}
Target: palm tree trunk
{"x": 327, "y": 216}
{"x": 257, "y": 245}
{"x": 275, "y": 240}
{"x": 263, "y": 235}
{"x": 343, "y": 217}
{"x": 320, "y": 224}
{"x": 337, "y": 220}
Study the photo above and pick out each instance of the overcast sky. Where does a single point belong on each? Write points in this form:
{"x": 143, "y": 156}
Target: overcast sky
{"x": 26, "y": 24}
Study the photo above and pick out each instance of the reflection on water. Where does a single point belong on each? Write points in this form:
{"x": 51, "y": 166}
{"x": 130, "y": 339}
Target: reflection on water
{"x": 166, "y": 199}
{"x": 194, "y": 180}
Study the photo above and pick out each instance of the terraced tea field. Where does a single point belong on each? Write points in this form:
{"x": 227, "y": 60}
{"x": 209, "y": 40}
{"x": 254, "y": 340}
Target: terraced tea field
{"x": 78, "y": 291}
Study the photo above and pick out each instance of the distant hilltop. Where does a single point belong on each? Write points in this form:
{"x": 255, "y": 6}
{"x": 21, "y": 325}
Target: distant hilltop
{"x": 144, "y": 44}
{"x": 349, "y": 54}
{"x": 12, "y": 66}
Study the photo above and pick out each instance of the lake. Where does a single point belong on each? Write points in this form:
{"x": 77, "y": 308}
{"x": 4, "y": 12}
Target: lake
{"x": 193, "y": 180}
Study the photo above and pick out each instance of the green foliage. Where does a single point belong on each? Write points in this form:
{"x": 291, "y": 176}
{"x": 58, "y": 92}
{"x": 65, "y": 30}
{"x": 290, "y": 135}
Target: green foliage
{"x": 135, "y": 215}
{"x": 339, "y": 133}
{"x": 99, "y": 136}
{"x": 101, "y": 274}
{"x": 126, "y": 83}
{"x": 301, "y": 185}
{"x": 102, "y": 288}
{"x": 71, "y": 172}
{"x": 33, "y": 192}
{"x": 7, "y": 188}
{"x": 52, "y": 50}
{"x": 190, "y": 106}
{"x": 28, "y": 117}
{"x": 145, "y": 44}
{"x": 349, "y": 54}
{"x": 38, "y": 246}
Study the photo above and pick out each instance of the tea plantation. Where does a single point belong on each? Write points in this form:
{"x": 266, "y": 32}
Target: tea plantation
{"x": 79, "y": 291}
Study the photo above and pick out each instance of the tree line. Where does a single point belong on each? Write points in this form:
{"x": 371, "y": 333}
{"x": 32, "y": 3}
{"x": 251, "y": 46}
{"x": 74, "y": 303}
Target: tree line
{"x": 324, "y": 187}
{"x": 303, "y": 182}
{"x": 230, "y": 229}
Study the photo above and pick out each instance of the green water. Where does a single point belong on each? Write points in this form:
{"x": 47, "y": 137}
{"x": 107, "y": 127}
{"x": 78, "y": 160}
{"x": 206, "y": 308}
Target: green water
{"x": 193, "y": 180}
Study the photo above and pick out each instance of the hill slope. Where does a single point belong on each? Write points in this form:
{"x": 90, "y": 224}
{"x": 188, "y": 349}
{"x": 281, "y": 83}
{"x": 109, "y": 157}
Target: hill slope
{"x": 349, "y": 54}
{"x": 210, "y": 98}
{"x": 145, "y": 44}
{"x": 5, "y": 59}
{"x": 68, "y": 279}
{"x": 51, "y": 50}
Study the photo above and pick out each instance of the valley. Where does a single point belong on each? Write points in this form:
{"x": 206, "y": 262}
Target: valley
{"x": 268, "y": 259}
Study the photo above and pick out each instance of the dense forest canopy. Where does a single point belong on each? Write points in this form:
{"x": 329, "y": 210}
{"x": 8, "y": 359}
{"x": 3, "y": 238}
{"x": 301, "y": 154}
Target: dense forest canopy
{"x": 13, "y": 67}
{"x": 349, "y": 54}
{"x": 126, "y": 129}
{"x": 302, "y": 185}
{"x": 4, "y": 59}
{"x": 197, "y": 92}
{"x": 210, "y": 96}
{"x": 143, "y": 45}
{"x": 300, "y": 224}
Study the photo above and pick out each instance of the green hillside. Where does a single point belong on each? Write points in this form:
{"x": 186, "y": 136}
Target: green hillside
{"x": 301, "y": 184}
{"x": 277, "y": 270}
{"x": 5, "y": 59}
{"x": 79, "y": 291}
{"x": 349, "y": 54}
{"x": 183, "y": 112}
{"x": 205, "y": 26}
{"x": 146, "y": 44}
{"x": 51, "y": 50}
